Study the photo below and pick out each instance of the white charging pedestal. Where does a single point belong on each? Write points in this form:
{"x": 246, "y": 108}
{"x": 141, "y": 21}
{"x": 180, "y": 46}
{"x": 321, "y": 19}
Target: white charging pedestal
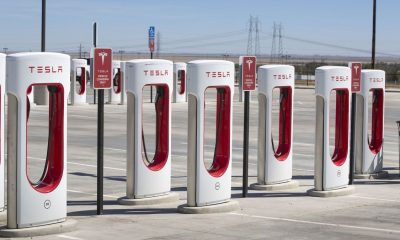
{"x": 209, "y": 187}
{"x": 331, "y": 169}
{"x": 114, "y": 93}
{"x": 148, "y": 180}
{"x": 78, "y": 82}
{"x": 179, "y": 91}
{"x": 275, "y": 156}
{"x": 37, "y": 208}
{"x": 370, "y": 125}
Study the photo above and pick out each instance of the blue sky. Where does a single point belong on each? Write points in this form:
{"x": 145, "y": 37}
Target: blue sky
{"x": 205, "y": 26}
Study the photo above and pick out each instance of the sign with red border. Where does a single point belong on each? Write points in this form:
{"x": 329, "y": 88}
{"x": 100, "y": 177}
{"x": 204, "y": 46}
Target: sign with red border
{"x": 249, "y": 66}
{"x": 355, "y": 76}
{"x": 102, "y": 68}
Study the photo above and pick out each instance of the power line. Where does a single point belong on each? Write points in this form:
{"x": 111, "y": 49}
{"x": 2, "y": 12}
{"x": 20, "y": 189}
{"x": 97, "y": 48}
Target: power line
{"x": 178, "y": 42}
{"x": 215, "y": 43}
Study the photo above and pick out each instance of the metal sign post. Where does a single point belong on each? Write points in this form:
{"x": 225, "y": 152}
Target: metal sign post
{"x": 102, "y": 79}
{"x": 355, "y": 87}
{"x": 248, "y": 69}
{"x": 398, "y": 129}
{"x": 94, "y": 45}
{"x": 152, "y": 33}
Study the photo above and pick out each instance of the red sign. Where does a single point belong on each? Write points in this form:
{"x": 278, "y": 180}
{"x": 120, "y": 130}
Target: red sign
{"x": 151, "y": 45}
{"x": 248, "y": 65}
{"x": 355, "y": 76}
{"x": 102, "y": 68}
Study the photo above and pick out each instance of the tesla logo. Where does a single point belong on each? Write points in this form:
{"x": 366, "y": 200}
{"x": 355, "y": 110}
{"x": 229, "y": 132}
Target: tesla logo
{"x": 47, "y": 204}
{"x": 340, "y": 78}
{"x": 282, "y": 76}
{"x": 155, "y": 72}
{"x": 102, "y": 55}
{"x": 249, "y": 62}
{"x": 218, "y": 74}
{"x": 45, "y": 69}
{"x": 376, "y": 79}
{"x": 339, "y": 173}
{"x": 217, "y": 186}
{"x": 356, "y": 67}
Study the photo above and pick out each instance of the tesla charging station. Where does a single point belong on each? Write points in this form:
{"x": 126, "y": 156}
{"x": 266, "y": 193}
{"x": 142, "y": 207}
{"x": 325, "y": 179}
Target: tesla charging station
{"x": 45, "y": 201}
{"x": 78, "y": 81}
{"x": 370, "y": 124}
{"x": 332, "y": 162}
{"x": 2, "y": 139}
{"x": 209, "y": 185}
{"x": 275, "y": 155}
{"x": 148, "y": 180}
{"x": 179, "y": 92}
{"x": 114, "y": 96}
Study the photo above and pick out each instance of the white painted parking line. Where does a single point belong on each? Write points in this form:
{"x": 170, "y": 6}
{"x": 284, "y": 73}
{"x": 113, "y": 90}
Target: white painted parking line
{"x": 82, "y": 164}
{"x": 304, "y": 144}
{"x": 301, "y": 154}
{"x": 318, "y": 223}
{"x": 92, "y": 194}
{"x": 301, "y": 169}
{"x": 115, "y": 149}
{"x": 94, "y": 166}
{"x": 69, "y": 237}
{"x": 375, "y": 199}
{"x": 81, "y": 116}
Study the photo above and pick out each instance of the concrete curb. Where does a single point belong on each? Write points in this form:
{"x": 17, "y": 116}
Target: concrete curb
{"x": 378, "y": 175}
{"x": 332, "y": 193}
{"x": 56, "y": 228}
{"x": 216, "y": 208}
{"x": 275, "y": 187}
{"x": 168, "y": 198}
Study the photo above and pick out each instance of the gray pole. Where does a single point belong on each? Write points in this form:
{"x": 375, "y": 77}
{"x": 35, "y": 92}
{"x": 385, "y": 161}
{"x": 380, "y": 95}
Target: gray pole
{"x": 373, "y": 35}
{"x": 94, "y": 45}
{"x": 43, "y": 47}
{"x": 40, "y": 93}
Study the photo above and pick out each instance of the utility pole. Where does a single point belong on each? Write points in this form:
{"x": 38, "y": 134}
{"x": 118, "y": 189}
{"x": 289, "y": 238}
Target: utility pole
{"x": 80, "y": 50}
{"x": 373, "y": 35}
{"x": 5, "y": 50}
{"x": 40, "y": 94}
{"x": 43, "y": 45}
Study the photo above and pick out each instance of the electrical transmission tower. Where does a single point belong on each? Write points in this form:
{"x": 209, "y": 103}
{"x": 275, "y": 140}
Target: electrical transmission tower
{"x": 250, "y": 37}
{"x": 277, "y": 39}
{"x": 257, "y": 44}
{"x": 280, "y": 47}
{"x": 254, "y": 29}
{"x": 273, "y": 47}
{"x": 158, "y": 44}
